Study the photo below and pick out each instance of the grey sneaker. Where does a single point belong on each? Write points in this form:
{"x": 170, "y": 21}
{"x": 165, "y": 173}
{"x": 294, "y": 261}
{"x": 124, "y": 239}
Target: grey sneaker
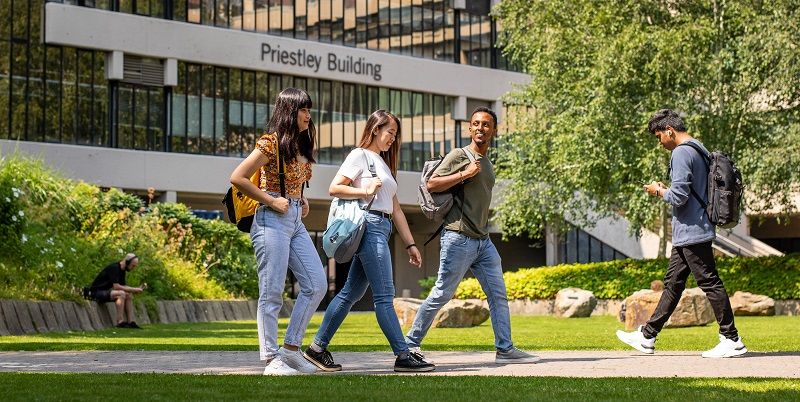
{"x": 515, "y": 356}
{"x": 295, "y": 360}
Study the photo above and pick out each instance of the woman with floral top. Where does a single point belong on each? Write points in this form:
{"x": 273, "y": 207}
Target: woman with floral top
{"x": 278, "y": 234}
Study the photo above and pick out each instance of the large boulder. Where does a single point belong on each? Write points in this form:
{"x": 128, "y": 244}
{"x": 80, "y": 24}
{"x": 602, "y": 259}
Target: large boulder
{"x": 574, "y": 302}
{"x": 744, "y": 303}
{"x": 693, "y": 309}
{"x": 454, "y": 314}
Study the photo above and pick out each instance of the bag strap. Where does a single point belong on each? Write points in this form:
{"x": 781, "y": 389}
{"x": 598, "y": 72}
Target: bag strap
{"x": 281, "y": 170}
{"x": 374, "y": 173}
{"x": 461, "y": 206}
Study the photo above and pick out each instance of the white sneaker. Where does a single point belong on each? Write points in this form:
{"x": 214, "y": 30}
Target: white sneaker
{"x": 295, "y": 360}
{"x": 637, "y": 340}
{"x": 278, "y": 367}
{"x": 726, "y": 348}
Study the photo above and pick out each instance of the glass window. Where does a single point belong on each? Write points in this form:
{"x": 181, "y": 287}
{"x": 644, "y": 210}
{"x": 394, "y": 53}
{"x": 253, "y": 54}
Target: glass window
{"x": 221, "y": 110}
{"x": 325, "y": 121}
{"x": 362, "y": 19}
{"x": 236, "y": 13}
{"x": 337, "y": 22}
{"x": 312, "y": 25}
{"x": 194, "y": 111}
{"x": 194, "y": 11}
{"x": 325, "y": 20}
{"x": 261, "y": 10}
{"x": 349, "y": 25}
{"x": 287, "y": 18}
{"x": 275, "y": 16}
{"x": 300, "y": 19}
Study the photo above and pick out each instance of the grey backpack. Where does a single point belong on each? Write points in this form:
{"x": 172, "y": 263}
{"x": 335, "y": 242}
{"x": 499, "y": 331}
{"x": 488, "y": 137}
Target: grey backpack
{"x": 435, "y": 206}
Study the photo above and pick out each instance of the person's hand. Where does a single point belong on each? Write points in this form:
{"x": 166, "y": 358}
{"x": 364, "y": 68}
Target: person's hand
{"x": 305, "y": 208}
{"x": 144, "y": 286}
{"x": 654, "y": 187}
{"x": 415, "y": 258}
{"x": 280, "y": 204}
{"x": 472, "y": 169}
{"x": 374, "y": 186}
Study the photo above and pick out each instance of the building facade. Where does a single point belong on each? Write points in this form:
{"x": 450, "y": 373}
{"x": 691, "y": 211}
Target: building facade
{"x": 172, "y": 94}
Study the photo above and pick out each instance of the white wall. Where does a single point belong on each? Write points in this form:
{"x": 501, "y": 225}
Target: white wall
{"x": 165, "y": 171}
{"x": 158, "y": 38}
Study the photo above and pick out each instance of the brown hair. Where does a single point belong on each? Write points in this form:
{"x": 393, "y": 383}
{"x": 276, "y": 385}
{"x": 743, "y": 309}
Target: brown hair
{"x": 375, "y": 123}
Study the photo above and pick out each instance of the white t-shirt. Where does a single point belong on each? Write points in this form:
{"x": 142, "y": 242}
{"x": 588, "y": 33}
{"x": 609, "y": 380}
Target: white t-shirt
{"x": 355, "y": 168}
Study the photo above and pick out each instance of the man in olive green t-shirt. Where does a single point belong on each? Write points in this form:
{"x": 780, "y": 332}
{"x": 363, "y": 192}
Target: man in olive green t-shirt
{"x": 465, "y": 242}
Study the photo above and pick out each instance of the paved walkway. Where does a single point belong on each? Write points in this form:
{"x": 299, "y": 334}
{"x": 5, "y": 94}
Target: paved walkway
{"x": 554, "y": 363}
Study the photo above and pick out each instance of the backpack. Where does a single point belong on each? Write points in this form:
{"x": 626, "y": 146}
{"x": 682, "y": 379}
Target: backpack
{"x": 241, "y": 208}
{"x": 435, "y": 206}
{"x": 725, "y": 188}
{"x": 346, "y": 225}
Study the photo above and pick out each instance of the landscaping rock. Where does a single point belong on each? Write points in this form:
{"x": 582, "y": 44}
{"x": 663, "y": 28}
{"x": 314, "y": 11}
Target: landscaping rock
{"x": 161, "y": 309}
{"x": 141, "y": 313}
{"x": 83, "y": 317}
{"x": 61, "y": 316}
{"x": 25, "y": 320}
{"x": 639, "y": 307}
{"x": 693, "y": 309}
{"x": 37, "y": 317}
{"x": 574, "y": 302}
{"x": 9, "y": 315}
{"x": 48, "y": 315}
{"x": 455, "y": 314}
{"x": 744, "y": 303}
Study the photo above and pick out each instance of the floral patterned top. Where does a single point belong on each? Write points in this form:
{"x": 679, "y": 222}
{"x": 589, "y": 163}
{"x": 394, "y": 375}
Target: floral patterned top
{"x": 297, "y": 171}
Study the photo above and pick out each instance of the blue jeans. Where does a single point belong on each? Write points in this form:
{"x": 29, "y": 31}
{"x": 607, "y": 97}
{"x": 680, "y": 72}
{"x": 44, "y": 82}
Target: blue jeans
{"x": 460, "y": 252}
{"x": 371, "y": 266}
{"x": 281, "y": 240}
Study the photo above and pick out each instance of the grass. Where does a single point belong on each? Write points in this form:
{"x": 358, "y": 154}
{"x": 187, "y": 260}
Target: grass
{"x": 360, "y": 332}
{"x": 180, "y": 387}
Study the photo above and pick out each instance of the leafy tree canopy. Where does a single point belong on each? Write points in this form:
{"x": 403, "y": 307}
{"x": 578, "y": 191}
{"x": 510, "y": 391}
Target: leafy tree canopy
{"x": 601, "y": 69}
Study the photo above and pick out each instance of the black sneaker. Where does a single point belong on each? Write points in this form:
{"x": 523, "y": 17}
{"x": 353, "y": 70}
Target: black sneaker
{"x": 323, "y": 360}
{"x": 132, "y": 324}
{"x": 412, "y": 363}
{"x": 122, "y": 325}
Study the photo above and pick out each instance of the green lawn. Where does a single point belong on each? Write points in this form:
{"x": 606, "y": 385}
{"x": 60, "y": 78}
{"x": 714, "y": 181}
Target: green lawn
{"x": 360, "y": 332}
{"x": 173, "y": 387}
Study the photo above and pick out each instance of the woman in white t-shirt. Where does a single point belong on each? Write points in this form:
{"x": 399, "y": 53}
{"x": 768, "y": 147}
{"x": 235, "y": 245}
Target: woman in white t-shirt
{"x": 372, "y": 262}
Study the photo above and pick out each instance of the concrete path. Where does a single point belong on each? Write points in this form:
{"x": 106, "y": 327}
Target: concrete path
{"x": 553, "y": 363}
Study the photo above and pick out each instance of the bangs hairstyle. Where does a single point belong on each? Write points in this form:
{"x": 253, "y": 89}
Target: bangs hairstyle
{"x": 379, "y": 119}
{"x": 284, "y": 121}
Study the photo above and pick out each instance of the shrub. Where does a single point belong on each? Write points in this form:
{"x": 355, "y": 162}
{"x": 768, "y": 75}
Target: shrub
{"x": 776, "y": 277}
{"x": 57, "y": 234}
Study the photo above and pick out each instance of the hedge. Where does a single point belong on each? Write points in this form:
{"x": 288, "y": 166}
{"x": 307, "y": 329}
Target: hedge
{"x": 776, "y": 277}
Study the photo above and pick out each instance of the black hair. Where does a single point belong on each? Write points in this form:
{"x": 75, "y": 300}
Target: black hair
{"x": 663, "y": 118}
{"x": 484, "y": 109}
{"x": 284, "y": 121}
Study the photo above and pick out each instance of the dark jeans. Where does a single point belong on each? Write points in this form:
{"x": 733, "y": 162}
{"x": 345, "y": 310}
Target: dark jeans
{"x": 699, "y": 260}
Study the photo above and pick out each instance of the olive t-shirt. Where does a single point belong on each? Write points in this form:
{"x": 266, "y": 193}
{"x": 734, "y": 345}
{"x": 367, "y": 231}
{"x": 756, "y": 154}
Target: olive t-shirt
{"x": 470, "y": 212}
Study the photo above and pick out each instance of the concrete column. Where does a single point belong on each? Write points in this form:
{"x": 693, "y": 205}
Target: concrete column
{"x": 170, "y": 72}
{"x": 460, "y": 108}
{"x": 168, "y": 196}
{"x": 114, "y": 61}
{"x": 551, "y": 246}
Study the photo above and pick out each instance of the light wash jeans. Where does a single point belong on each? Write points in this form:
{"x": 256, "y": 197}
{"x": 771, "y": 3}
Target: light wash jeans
{"x": 458, "y": 253}
{"x": 281, "y": 240}
{"x": 371, "y": 266}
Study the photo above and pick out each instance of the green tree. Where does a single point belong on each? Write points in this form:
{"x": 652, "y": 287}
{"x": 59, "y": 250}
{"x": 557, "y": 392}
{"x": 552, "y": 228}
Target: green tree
{"x": 600, "y": 69}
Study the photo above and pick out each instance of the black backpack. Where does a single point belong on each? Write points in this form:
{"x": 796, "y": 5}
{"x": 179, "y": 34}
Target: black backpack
{"x": 725, "y": 188}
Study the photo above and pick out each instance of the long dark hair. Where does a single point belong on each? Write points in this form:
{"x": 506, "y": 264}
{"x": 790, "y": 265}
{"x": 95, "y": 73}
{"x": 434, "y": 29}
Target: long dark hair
{"x": 284, "y": 121}
{"x": 375, "y": 123}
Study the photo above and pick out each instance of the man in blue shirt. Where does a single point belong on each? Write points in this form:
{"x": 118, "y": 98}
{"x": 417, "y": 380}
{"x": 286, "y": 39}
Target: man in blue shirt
{"x": 692, "y": 234}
